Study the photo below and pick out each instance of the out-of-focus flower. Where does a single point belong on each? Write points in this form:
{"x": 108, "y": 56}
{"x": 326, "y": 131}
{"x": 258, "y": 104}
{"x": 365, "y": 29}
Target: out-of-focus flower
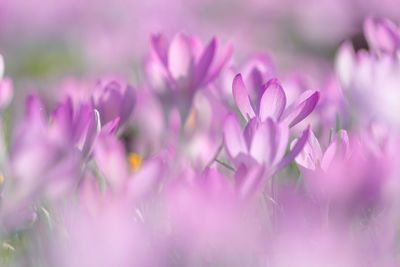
{"x": 271, "y": 103}
{"x": 44, "y": 160}
{"x": 123, "y": 178}
{"x": 382, "y": 35}
{"x": 311, "y": 157}
{"x": 371, "y": 79}
{"x": 183, "y": 66}
{"x": 108, "y": 96}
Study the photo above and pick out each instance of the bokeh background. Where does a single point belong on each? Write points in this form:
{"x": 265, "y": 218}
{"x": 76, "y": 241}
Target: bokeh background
{"x": 44, "y": 40}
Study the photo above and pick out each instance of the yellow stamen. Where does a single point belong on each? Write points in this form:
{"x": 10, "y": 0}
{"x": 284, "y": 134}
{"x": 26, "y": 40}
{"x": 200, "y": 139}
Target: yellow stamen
{"x": 1, "y": 179}
{"x": 134, "y": 161}
{"x": 190, "y": 121}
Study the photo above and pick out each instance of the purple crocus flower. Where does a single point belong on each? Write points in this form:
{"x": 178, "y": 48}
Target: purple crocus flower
{"x": 112, "y": 101}
{"x": 261, "y": 143}
{"x": 271, "y": 103}
{"x": 184, "y": 66}
{"x": 383, "y": 35}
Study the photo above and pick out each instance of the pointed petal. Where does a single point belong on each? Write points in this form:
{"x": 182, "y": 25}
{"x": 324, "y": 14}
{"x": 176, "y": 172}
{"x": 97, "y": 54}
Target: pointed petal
{"x": 281, "y": 140}
{"x": 329, "y": 155}
{"x": 345, "y": 64}
{"x": 204, "y": 62}
{"x": 219, "y": 63}
{"x": 127, "y": 105}
{"x": 311, "y": 154}
{"x": 180, "y": 58}
{"x": 250, "y": 130}
{"x": 300, "y": 112}
{"x": 159, "y": 46}
{"x": 242, "y": 98}
{"x": 233, "y": 138}
{"x": 272, "y": 102}
{"x": 110, "y": 158}
{"x": 261, "y": 148}
{"x": 297, "y": 148}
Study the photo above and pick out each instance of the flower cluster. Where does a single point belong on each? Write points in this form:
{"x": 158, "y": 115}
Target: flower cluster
{"x": 207, "y": 161}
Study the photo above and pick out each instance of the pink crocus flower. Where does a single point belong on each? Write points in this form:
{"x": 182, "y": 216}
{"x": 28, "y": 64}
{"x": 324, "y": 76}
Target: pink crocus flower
{"x": 184, "y": 66}
{"x": 260, "y": 143}
{"x": 271, "y": 103}
{"x": 370, "y": 79}
{"x": 382, "y": 35}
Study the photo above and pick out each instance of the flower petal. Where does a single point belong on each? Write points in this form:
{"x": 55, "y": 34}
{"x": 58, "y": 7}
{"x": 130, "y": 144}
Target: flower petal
{"x": 242, "y": 98}
{"x": 204, "y": 63}
{"x": 233, "y": 138}
{"x": 261, "y": 148}
{"x": 180, "y": 58}
{"x": 146, "y": 179}
{"x": 280, "y": 142}
{"x": 300, "y": 112}
{"x": 297, "y": 148}
{"x": 219, "y": 63}
{"x": 272, "y": 101}
{"x": 311, "y": 154}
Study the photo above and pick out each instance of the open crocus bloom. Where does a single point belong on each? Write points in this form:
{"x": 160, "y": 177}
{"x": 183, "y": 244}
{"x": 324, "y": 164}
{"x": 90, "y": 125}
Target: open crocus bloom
{"x": 260, "y": 143}
{"x": 271, "y": 102}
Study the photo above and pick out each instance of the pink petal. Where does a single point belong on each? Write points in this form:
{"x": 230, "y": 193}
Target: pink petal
{"x": 219, "y": 63}
{"x": 345, "y": 64}
{"x": 311, "y": 154}
{"x": 180, "y": 57}
{"x": 297, "y": 148}
{"x": 233, "y": 138}
{"x": 146, "y": 180}
{"x": 159, "y": 46}
{"x": 281, "y": 139}
{"x": 272, "y": 101}
{"x": 242, "y": 98}
{"x": 300, "y": 112}
{"x": 261, "y": 147}
{"x": 204, "y": 62}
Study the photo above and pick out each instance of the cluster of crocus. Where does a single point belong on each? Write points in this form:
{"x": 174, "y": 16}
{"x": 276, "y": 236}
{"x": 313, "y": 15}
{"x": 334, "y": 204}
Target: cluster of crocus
{"x": 208, "y": 162}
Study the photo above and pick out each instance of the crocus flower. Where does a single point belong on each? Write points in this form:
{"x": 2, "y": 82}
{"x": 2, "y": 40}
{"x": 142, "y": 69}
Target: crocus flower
{"x": 382, "y": 35}
{"x": 271, "y": 103}
{"x": 260, "y": 143}
{"x": 311, "y": 157}
{"x": 44, "y": 163}
{"x": 184, "y": 66}
{"x": 112, "y": 101}
{"x": 362, "y": 73}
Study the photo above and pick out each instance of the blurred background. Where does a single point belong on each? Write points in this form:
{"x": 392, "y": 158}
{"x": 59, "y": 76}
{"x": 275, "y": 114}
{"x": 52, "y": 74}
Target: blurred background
{"x": 45, "y": 40}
